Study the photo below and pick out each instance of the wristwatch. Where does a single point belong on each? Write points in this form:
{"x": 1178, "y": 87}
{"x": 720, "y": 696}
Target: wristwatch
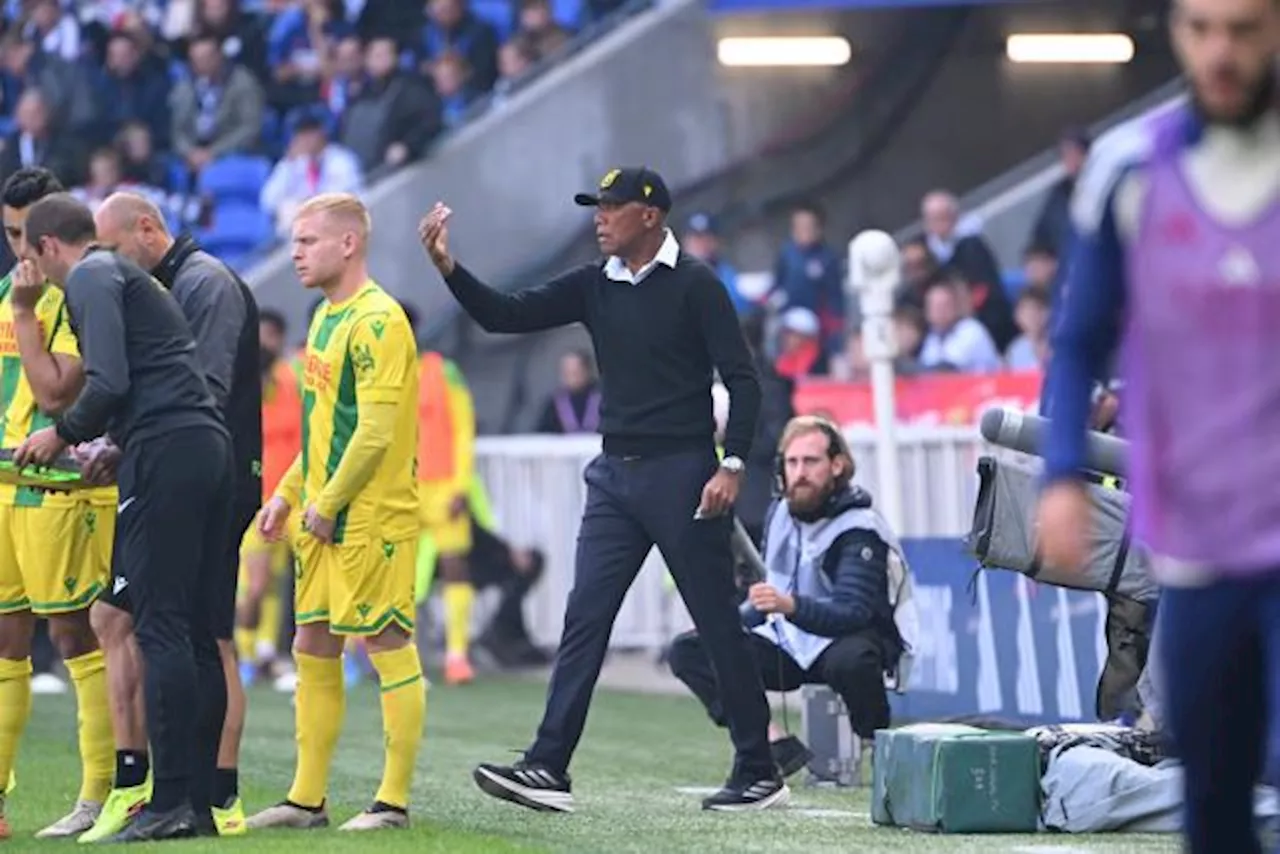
{"x": 733, "y": 465}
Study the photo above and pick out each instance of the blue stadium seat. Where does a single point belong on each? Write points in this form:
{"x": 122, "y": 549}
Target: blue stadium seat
{"x": 568, "y": 13}
{"x": 1014, "y": 281}
{"x": 498, "y": 13}
{"x": 235, "y": 178}
{"x": 236, "y": 229}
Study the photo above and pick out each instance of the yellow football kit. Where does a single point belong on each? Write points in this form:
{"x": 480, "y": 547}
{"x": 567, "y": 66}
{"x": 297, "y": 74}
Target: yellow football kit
{"x": 360, "y": 366}
{"x": 55, "y": 557}
{"x": 55, "y": 548}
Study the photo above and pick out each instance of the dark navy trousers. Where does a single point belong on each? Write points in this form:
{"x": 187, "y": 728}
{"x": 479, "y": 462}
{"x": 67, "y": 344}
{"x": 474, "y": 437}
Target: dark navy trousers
{"x": 1221, "y": 654}
{"x": 634, "y": 503}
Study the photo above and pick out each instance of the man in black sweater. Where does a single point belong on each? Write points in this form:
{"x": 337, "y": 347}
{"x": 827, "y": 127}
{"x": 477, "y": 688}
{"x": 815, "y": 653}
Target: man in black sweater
{"x": 824, "y": 614}
{"x": 661, "y": 323}
{"x": 144, "y": 388}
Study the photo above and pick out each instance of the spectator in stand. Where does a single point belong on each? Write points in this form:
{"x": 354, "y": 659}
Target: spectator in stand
{"x": 536, "y": 23}
{"x": 131, "y": 90}
{"x": 345, "y": 76}
{"x": 387, "y": 18}
{"x": 311, "y": 166}
{"x": 105, "y": 176}
{"x": 850, "y": 365}
{"x": 451, "y": 26}
{"x": 800, "y": 351}
{"x": 1053, "y": 225}
{"x": 575, "y": 406}
{"x": 515, "y": 58}
{"x": 35, "y": 141}
{"x": 809, "y": 275}
{"x": 1040, "y": 267}
{"x": 394, "y": 115}
{"x": 1030, "y": 350}
{"x": 918, "y": 269}
{"x": 217, "y": 109}
{"x": 242, "y": 35}
{"x": 701, "y": 239}
{"x": 452, "y": 78}
{"x": 66, "y": 87}
{"x": 300, "y": 48}
{"x": 909, "y": 330}
{"x": 139, "y": 161}
{"x": 956, "y": 341}
{"x": 963, "y": 250}
{"x": 56, "y": 31}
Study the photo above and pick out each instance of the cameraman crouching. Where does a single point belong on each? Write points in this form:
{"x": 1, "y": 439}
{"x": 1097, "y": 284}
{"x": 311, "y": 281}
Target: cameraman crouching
{"x": 823, "y": 615}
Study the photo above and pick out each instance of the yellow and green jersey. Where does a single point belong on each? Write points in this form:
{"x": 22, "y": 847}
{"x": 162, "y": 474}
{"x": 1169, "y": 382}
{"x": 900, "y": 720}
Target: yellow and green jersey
{"x": 361, "y": 352}
{"x": 20, "y": 415}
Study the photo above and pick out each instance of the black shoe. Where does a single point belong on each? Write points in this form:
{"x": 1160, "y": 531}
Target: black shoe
{"x": 529, "y": 785}
{"x": 152, "y": 826}
{"x": 756, "y": 795}
{"x": 790, "y": 755}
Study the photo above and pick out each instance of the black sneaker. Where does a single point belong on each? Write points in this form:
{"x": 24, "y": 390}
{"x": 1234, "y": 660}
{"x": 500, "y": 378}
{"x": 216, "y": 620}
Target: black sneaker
{"x": 529, "y": 785}
{"x": 152, "y": 826}
{"x": 757, "y": 795}
{"x": 790, "y": 755}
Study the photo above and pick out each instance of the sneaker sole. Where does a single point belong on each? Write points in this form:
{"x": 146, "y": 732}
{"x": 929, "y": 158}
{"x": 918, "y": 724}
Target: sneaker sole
{"x": 777, "y": 799}
{"x": 503, "y": 789}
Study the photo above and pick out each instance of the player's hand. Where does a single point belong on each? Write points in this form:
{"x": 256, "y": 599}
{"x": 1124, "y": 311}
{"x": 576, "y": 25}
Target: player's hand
{"x": 272, "y": 519}
{"x": 98, "y": 462}
{"x": 1062, "y": 525}
{"x": 718, "y": 495}
{"x": 433, "y": 232}
{"x": 318, "y": 526}
{"x": 26, "y": 286}
{"x": 40, "y": 448}
{"x": 770, "y": 600}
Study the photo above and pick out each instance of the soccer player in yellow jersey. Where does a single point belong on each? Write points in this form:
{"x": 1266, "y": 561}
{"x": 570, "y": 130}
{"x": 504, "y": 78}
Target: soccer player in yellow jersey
{"x": 355, "y": 531}
{"x": 55, "y": 548}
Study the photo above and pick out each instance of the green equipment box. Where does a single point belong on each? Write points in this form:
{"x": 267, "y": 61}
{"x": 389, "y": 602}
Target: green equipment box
{"x": 948, "y": 778}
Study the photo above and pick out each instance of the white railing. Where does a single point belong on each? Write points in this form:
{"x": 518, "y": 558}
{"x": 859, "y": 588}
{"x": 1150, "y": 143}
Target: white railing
{"x": 535, "y": 483}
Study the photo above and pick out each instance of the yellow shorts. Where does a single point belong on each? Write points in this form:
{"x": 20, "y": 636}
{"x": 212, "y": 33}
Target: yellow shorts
{"x": 358, "y": 588}
{"x": 452, "y": 535}
{"x": 54, "y": 560}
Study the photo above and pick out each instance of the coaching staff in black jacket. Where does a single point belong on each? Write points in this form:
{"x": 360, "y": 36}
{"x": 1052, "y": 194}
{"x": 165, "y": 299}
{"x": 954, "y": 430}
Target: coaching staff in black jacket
{"x": 144, "y": 388}
{"x": 660, "y": 322}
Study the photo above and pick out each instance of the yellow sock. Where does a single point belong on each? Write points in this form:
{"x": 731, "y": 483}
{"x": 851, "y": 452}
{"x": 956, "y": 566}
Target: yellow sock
{"x": 93, "y": 724}
{"x": 321, "y": 701}
{"x": 459, "y": 596}
{"x": 15, "y": 708}
{"x": 267, "y": 635}
{"x": 404, "y": 709}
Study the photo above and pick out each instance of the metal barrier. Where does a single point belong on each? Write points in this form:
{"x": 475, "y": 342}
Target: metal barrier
{"x": 536, "y": 486}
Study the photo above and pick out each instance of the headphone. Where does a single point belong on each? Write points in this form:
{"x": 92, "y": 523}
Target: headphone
{"x": 836, "y": 446}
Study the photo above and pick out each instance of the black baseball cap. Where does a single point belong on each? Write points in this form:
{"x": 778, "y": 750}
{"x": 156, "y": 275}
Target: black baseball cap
{"x": 620, "y": 186}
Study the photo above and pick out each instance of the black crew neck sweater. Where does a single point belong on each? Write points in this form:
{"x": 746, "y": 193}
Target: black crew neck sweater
{"x": 658, "y": 344}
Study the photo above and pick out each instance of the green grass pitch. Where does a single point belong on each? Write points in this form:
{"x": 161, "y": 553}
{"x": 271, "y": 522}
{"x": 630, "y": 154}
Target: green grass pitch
{"x": 638, "y": 750}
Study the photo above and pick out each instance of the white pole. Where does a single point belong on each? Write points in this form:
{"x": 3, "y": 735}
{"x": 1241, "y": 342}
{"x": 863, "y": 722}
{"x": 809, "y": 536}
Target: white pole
{"x": 874, "y": 275}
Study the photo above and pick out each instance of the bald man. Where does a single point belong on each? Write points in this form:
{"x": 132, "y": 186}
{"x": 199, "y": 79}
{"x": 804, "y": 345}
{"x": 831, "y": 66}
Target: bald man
{"x": 223, "y": 317}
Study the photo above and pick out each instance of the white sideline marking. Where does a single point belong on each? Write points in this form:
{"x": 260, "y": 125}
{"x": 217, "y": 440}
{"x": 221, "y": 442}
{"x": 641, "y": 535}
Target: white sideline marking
{"x": 1051, "y": 849}
{"x": 701, "y": 791}
{"x": 820, "y": 813}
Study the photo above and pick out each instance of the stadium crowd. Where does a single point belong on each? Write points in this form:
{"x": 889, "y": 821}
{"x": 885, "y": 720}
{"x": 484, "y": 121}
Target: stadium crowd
{"x": 194, "y": 102}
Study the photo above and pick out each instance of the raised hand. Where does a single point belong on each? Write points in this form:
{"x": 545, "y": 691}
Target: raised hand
{"x": 433, "y": 233}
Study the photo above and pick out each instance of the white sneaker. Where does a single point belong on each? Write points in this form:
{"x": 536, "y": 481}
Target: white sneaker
{"x": 381, "y": 820}
{"x": 288, "y": 815}
{"x": 47, "y": 683}
{"x": 74, "y": 823}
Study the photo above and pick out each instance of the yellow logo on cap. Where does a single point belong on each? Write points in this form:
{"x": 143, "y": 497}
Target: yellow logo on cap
{"x": 607, "y": 181}
{"x": 648, "y": 191}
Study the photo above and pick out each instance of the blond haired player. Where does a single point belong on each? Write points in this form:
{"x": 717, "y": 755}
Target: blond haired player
{"x": 355, "y": 533}
{"x": 55, "y": 548}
